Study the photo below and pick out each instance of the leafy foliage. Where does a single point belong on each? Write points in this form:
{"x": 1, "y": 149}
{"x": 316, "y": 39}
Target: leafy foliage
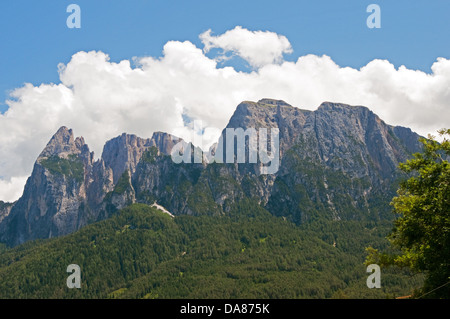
{"x": 422, "y": 231}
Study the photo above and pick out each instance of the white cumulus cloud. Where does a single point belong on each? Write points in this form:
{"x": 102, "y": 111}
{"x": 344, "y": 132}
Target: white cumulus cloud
{"x": 100, "y": 99}
{"x": 12, "y": 189}
{"x": 258, "y": 48}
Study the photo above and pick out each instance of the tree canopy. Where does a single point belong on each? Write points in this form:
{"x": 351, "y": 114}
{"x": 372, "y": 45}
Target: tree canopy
{"x": 421, "y": 232}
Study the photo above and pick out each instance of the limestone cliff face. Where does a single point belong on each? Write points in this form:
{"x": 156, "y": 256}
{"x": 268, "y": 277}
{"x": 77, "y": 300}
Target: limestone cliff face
{"x": 68, "y": 189}
{"x": 343, "y": 163}
{"x": 338, "y": 162}
{"x": 123, "y": 153}
{"x": 5, "y": 209}
{"x": 51, "y": 202}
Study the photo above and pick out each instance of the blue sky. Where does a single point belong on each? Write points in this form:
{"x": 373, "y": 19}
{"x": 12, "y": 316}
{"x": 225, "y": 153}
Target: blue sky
{"x": 304, "y": 52}
{"x": 34, "y": 37}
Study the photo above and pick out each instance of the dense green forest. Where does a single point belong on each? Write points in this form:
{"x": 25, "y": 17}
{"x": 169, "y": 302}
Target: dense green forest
{"x": 142, "y": 252}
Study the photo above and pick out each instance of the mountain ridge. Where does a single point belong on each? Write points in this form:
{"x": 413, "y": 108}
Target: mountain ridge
{"x": 337, "y": 151}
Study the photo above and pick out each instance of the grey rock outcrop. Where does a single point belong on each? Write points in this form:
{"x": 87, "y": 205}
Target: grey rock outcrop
{"x": 68, "y": 189}
{"x": 5, "y": 209}
{"x": 338, "y": 162}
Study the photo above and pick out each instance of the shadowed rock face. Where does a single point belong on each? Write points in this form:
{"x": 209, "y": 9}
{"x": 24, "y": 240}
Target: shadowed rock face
{"x": 124, "y": 152}
{"x": 338, "y": 162}
{"x": 50, "y": 204}
{"x": 5, "y": 209}
{"x": 67, "y": 188}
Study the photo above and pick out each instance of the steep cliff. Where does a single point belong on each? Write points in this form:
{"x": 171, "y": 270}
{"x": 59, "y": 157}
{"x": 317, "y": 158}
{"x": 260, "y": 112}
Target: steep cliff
{"x": 338, "y": 162}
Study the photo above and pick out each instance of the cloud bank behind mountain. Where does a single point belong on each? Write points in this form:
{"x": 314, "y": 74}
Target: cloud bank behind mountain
{"x": 101, "y": 99}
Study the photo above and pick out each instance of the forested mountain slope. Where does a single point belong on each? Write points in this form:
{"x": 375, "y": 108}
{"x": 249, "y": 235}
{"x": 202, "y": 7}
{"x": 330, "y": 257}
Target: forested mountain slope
{"x": 142, "y": 252}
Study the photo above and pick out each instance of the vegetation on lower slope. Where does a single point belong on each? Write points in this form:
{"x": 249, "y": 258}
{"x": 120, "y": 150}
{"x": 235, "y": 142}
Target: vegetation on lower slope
{"x": 248, "y": 253}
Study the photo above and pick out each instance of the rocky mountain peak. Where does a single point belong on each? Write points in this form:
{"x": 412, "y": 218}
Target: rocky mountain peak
{"x": 164, "y": 142}
{"x": 63, "y": 144}
{"x": 123, "y": 153}
{"x": 343, "y": 108}
{"x": 264, "y": 113}
{"x": 338, "y": 161}
{"x": 273, "y": 102}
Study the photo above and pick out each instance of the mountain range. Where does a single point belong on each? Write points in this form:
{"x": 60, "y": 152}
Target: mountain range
{"x": 338, "y": 162}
